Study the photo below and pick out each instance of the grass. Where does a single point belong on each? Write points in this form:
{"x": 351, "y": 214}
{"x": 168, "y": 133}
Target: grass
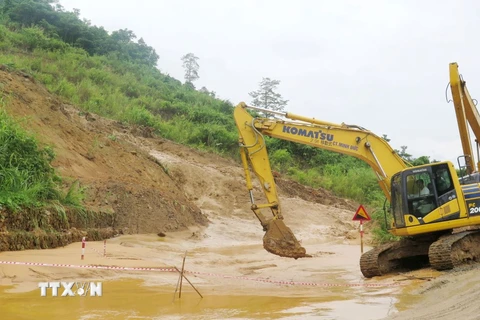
{"x": 27, "y": 180}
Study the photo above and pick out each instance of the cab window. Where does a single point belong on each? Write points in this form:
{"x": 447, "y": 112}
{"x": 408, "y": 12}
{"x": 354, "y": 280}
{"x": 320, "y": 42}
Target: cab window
{"x": 419, "y": 184}
{"x": 443, "y": 181}
{"x": 420, "y": 193}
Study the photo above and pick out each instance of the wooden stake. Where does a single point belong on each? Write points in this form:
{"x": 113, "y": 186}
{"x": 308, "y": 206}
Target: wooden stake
{"x": 176, "y": 288}
{"x": 181, "y": 274}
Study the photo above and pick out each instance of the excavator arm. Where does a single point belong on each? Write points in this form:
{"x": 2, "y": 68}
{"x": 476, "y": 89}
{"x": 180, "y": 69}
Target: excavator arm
{"x": 278, "y": 239}
{"x": 346, "y": 139}
{"x": 467, "y": 114}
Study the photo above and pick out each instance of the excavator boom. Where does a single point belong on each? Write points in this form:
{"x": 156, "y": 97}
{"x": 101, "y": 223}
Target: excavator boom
{"x": 342, "y": 138}
{"x": 347, "y": 139}
{"x": 467, "y": 114}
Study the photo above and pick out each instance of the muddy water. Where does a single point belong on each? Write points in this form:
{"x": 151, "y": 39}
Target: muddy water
{"x": 226, "y": 275}
{"x": 130, "y": 299}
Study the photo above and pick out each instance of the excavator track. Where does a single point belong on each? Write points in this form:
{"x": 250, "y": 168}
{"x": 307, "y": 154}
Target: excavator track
{"x": 406, "y": 254}
{"x": 440, "y": 251}
{"x": 455, "y": 249}
{"x": 369, "y": 261}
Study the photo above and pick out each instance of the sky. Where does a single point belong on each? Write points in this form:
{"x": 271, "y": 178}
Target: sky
{"x": 382, "y": 65}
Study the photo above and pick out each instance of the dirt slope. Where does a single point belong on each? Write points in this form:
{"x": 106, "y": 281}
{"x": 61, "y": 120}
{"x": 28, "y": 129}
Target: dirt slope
{"x": 102, "y": 155}
{"x": 133, "y": 174}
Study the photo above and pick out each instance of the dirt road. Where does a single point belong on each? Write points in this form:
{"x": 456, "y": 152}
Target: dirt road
{"x": 451, "y": 295}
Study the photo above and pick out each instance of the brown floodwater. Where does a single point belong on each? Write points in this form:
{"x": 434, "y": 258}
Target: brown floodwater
{"x": 131, "y": 299}
{"x": 328, "y": 286}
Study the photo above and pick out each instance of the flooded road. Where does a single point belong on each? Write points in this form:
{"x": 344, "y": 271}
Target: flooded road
{"x": 236, "y": 282}
{"x": 130, "y": 299}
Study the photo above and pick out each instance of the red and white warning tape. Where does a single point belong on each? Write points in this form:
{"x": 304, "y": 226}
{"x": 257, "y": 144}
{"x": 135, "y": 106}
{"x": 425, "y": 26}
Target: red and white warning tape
{"x": 87, "y": 266}
{"x": 99, "y": 253}
{"x": 296, "y": 283}
{"x": 283, "y": 282}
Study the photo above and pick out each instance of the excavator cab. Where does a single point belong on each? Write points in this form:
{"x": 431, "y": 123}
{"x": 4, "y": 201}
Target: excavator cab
{"x": 420, "y": 195}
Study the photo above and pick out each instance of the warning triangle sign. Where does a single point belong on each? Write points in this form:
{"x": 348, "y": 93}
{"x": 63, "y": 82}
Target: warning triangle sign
{"x": 361, "y": 214}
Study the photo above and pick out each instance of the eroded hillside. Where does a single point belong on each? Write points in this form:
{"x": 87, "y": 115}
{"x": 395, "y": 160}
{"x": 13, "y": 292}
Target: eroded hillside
{"x": 120, "y": 177}
{"x": 136, "y": 176}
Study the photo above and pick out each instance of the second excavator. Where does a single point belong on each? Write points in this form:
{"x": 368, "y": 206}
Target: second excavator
{"x": 431, "y": 208}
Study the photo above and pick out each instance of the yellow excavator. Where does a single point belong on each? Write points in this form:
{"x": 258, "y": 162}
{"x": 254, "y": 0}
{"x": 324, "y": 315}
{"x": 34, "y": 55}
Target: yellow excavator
{"x": 431, "y": 208}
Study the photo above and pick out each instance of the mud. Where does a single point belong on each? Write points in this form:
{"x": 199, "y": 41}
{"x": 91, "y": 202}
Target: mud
{"x": 224, "y": 270}
{"x": 280, "y": 240}
{"x": 41, "y": 239}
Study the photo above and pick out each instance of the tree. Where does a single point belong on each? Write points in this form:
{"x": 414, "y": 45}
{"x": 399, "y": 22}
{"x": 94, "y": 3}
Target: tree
{"x": 123, "y": 36}
{"x": 267, "y": 98}
{"x": 403, "y": 153}
{"x": 414, "y": 161}
{"x": 207, "y": 92}
{"x": 191, "y": 67}
{"x": 421, "y": 160}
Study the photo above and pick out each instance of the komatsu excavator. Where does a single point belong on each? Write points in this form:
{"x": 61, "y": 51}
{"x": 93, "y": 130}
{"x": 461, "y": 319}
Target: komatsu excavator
{"x": 436, "y": 226}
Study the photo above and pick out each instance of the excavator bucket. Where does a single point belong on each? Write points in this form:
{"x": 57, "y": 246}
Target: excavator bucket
{"x": 281, "y": 241}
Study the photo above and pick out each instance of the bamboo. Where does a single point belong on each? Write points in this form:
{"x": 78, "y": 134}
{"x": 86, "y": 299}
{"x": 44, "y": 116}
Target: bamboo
{"x": 181, "y": 275}
{"x": 189, "y": 282}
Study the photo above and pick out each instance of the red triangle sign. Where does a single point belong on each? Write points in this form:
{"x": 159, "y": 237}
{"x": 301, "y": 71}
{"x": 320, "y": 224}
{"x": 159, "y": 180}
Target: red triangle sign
{"x": 361, "y": 214}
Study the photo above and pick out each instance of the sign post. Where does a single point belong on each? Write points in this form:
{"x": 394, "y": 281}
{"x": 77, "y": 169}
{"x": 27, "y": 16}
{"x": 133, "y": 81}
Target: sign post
{"x": 361, "y": 236}
{"x": 361, "y": 215}
{"x": 83, "y": 246}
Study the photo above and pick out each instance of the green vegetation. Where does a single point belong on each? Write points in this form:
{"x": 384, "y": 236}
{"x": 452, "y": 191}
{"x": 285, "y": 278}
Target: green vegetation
{"x": 26, "y": 177}
{"x": 116, "y": 77}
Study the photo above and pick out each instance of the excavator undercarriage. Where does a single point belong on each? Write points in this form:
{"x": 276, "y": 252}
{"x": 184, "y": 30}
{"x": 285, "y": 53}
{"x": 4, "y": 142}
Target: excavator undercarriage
{"x": 441, "y": 251}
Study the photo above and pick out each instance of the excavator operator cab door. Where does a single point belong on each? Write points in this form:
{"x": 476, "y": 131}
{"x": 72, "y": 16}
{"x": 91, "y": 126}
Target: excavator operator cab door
{"x": 421, "y": 195}
{"x": 420, "y": 191}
